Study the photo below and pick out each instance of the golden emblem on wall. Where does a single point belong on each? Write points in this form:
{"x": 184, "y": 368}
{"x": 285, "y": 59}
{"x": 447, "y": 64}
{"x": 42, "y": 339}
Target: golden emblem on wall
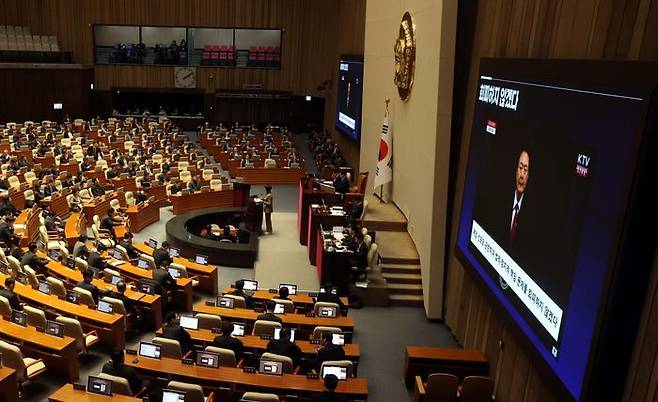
{"x": 405, "y": 57}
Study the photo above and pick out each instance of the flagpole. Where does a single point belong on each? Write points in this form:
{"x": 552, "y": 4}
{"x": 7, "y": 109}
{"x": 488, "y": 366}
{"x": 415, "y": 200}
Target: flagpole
{"x": 381, "y": 186}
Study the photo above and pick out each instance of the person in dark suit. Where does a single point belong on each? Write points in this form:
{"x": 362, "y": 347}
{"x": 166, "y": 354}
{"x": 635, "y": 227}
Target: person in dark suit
{"x": 269, "y": 313}
{"x": 161, "y": 255}
{"x": 95, "y": 258}
{"x": 284, "y": 292}
{"x": 120, "y": 294}
{"x": 329, "y": 394}
{"x": 86, "y": 284}
{"x": 31, "y": 259}
{"x": 8, "y": 293}
{"x": 226, "y": 341}
{"x": 172, "y": 330}
{"x": 7, "y": 207}
{"x": 127, "y": 243}
{"x": 359, "y": 257}
{"x": 328, "y": 351}
{"x": 163, "y": 278}
{"x": 109, "y": 221}
{"x": 194, "y": 184}
{"x": 239, "y": 291}
{"x": 97, "y": 189}
{"x": 6, "y": 232}
{"x": 341, "y": 183}
{"x": 285, "y": 347}
{"x": 117, "y": 368}
{"x": 329, "y": 297}
{"x": 80, "y": 247}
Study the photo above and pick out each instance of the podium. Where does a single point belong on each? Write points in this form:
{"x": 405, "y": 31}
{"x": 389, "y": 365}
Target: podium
{"x": 241, "y": 194}
{"x": 309, "y": 194}
{"x": 254, "y": 216}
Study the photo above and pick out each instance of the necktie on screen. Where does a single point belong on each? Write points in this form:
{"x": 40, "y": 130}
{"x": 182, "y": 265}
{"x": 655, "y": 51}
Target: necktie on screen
{"x": 515, "y": 222}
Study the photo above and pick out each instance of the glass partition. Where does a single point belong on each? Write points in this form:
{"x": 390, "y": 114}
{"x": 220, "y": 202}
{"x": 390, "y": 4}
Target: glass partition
{"x": 197, "y": 46}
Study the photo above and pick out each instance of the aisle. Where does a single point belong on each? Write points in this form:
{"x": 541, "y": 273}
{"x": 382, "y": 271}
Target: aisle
{"x": 281, "y": 259}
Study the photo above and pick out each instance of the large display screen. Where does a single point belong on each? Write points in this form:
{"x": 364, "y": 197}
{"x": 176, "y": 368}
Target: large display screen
{"x": 350, "y": 89}
{"x": 546, "y": 189}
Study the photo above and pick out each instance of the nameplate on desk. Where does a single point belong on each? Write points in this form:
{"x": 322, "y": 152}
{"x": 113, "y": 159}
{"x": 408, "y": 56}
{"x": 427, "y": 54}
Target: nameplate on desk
{"x": 189, "y": 362}
{"x": 80, "y": 387}
{"x": 41, "y": 329}
{"x": 310, "y": 314}
{"x": 265, "y": 337}
{"x": 210, "y": 303}
{"x": 312, "y": 294}
{"x": 314, "y": 341}
{"x": 216, "y": 330}
{"x": 249, "y": 369}
{"x": 312, "y": 376}
{"x": 273, "y": 291}
{"x": 131, "y": 351}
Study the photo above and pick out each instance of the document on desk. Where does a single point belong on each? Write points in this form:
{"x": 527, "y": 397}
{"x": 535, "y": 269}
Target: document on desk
{"x": 116, "y": 263}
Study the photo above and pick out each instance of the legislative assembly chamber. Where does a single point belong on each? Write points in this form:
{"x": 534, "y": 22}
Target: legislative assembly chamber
{"x": 328, "y": 200}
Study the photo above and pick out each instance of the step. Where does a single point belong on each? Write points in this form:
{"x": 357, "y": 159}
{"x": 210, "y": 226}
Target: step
{"x": 405, "y": 288}
{"x": 400, "y": 268}
{"x": 397, "y": 248}
{"x": 405, "y": 300}
{"x": 403, "y": 278}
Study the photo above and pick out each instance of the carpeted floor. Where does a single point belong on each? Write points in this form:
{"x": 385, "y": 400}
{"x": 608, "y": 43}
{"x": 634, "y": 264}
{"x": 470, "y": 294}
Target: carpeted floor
{"x": 381, "y": 333}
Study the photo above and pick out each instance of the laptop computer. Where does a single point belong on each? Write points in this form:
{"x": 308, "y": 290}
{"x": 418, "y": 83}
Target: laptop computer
{"x": 279, "y": 308}
{"x": 145, "y": 287}
{"x": 238, "y": 329}
{"x": 292, "y": 289}
{"x": 201, "y": 259}
{"x": 188, "y": 322}
{"x": 116, "y": 254}
{"x": 270, "y": 367}
{"x": 338, "y": 339}
{"x": 277, "y": 334}
{"x": 169, "y": 395}
{"x": 143, "y": 264}
{"x": 174, "y": 252}
{"x": 327, "y": 312}
{"x": 105, "y": 307}
{"x": 174, "y": 272}
{"x": 338, "y": 371}
{"x": 115, "y": 279}
{"x": 44, "y": 288}
{"x": 54, "y": 328}
{"x": 152, "y": 243}
{"x": 207, "y": 359}
{"x": 148, "y": 349}
{"x": 226, "y": 302}
{"x": 100, "y": 386}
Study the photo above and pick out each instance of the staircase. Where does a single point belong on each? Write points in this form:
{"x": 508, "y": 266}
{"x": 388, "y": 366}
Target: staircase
{"x": 400, "y": 263}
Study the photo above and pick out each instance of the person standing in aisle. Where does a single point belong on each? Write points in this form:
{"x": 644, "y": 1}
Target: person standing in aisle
{"x": 268, "y": 204}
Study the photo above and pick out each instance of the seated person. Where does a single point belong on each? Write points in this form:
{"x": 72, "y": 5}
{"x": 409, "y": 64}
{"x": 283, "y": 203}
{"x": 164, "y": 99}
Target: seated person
{"x": 226, "y": 341}
{"x": 163, "y": 279}
{"x": 285, "y": 347}
{"x": 161, "y": 254}
{"x": 359, "y": 257}
{"x": 329, "y": 394}
{"x": 284, "y": 293}
{"x": 96, "y": 188}
{"x": 117, "y": 368}
{"x": 95, "y": 258}
{"x": 80, "y": 247}
{"x": 6, "y": 231}
{"x": 85, "y": 283}
{"x": 328, "y": 351}
{"x": 111, "y": 220}
{"x": 239, "y": 291}
{"x": 6, "y": 207}
{"x": 194, "y": 184}
{"x": 172, "y": 330}
{"x": 141, "y": 196}
{"x": 269, "y": 315}
{"x": 31, "y": 259}
{"x": 120, "y": 294}
{"x": 127, "y": 243}
{"x": 341, "y": 183}
{"x": 8, "y": 293}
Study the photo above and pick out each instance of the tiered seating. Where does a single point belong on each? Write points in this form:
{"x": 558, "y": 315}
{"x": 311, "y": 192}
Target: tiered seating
{"x": 17, "y": 43}
{"x": 264, "y": 56}
{"x": 218, "y": 55}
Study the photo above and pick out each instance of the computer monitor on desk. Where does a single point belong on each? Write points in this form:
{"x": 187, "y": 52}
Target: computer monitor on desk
{"x": 100, "y": 386}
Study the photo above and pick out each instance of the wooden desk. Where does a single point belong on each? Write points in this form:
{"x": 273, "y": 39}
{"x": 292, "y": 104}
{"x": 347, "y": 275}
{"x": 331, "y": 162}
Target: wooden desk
{"x": 143, "y": 215}
{"x": 46, "y": 161}
{"x": 71, "y": 168}
{"x": 240, "y": 382}
{"x": 136, "y": 273}
{"x": 280, "y": 175}
{"x": 128, "y": 183}
{"x": 58, "y": 203}
{"x": 75, "y": 226}
{"x": 423, "y": 361}
{"x": 111, "y": 327}
{"x": 59, "y": 354}
{"x": 211, "y": 199}
{"x": 206, "y": 337}
{"x": 300, "y": 298}
{"x": 9, "y": 383}
{"x": 158, "y": 191}
{"x": 206, "y": 274}
{"x": 17, "y": 197}
{"x": 318, "y": 218}
{"x": 98, "y": 206}
{"x": 26, "y": 226}
{"x": 98, "y": 175}
{"x": 307, "y": 197}
{"x": 72, "y": 277}
{"x": 68, "y": 394}
{"x": 304, "y": 323}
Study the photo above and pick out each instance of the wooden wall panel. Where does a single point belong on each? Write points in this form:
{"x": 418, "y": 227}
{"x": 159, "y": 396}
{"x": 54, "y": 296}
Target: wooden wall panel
{"x": 583, "y": 29}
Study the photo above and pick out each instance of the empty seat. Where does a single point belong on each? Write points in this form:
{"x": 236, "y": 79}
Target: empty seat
{"x": 265, "y": 328}
{"x": 5, "y": 308}
{"x": 476, "y": 389}
{"x": 209, "y": 321}
{"x": 56, "y": 287}
{"x": 26, "y": 368}
{"x": 119, "y": 384}
{"x": 73, "y": 329}
{"x": 288, "y": 367}
{"x": 35, "y": 316}
{"x": 193, "y": 392}
{"x": 169, "y": 348}
{"x": 85, "y": 296}
{"x": 226, "y": 356}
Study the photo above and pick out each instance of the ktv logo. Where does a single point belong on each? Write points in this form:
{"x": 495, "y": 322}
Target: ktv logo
{"x": 582, "y": 165}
